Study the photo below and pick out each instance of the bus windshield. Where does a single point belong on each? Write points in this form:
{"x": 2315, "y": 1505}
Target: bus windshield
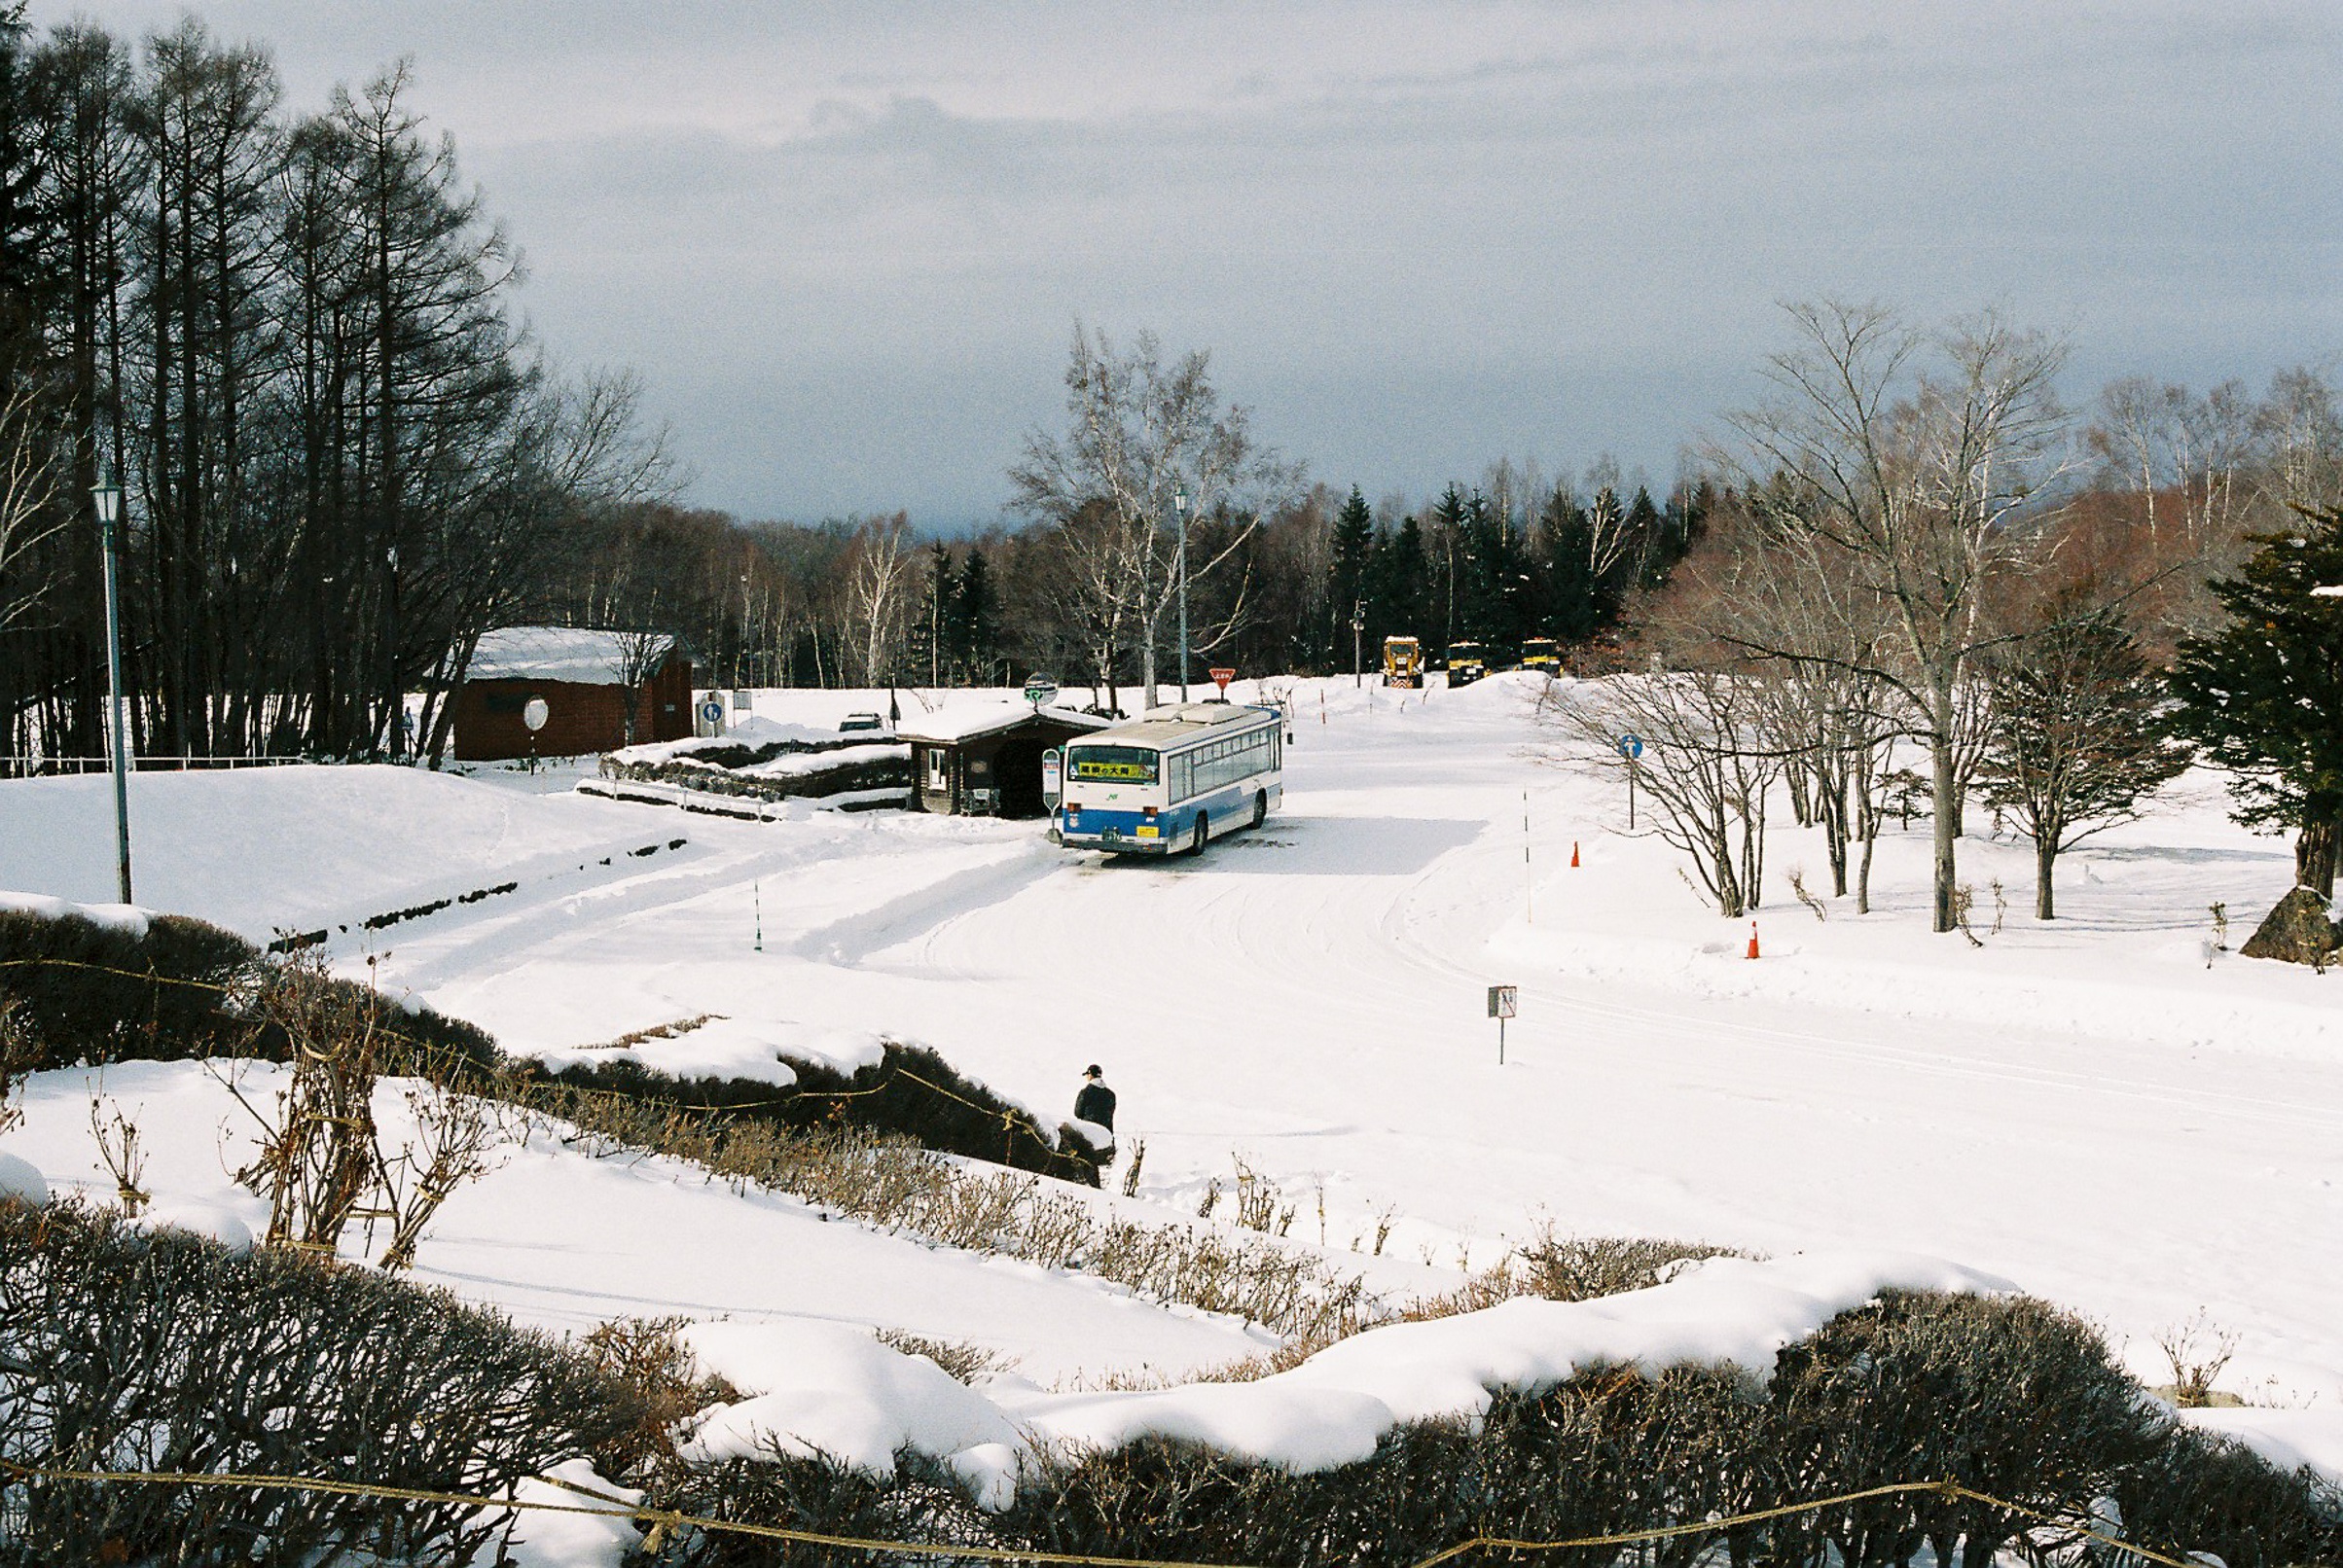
{"x": 1121, "y": 765}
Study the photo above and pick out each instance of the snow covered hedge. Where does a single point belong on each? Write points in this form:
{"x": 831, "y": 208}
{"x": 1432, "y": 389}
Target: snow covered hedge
{"x": 911, "y": 1092}
{"x": 155, "y": 1350}
{"x": 169, "y": 988}
{"x": 166, "y": 988}
{"x": 2002, "y": 1393}
{"x": 103, "y": 990}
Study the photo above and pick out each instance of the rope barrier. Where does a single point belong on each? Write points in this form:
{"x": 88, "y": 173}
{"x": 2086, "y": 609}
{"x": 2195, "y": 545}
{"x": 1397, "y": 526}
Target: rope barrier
{"x": 661, "y": 1520}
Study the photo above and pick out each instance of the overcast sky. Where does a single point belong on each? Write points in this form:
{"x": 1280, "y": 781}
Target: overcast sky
{"x": 846, "y": 246}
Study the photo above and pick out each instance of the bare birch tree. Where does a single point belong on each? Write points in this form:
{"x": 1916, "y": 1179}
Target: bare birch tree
{"x": 1707, "y": 768}
{"x": 32, "y": 475}
{"x": 879, "y": 595}
{"x": 1918, "y": 459}
{"x": 1140, "y": 430}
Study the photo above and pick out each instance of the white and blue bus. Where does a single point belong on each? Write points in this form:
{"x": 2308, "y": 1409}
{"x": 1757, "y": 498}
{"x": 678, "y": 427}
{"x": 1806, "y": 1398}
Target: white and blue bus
{"x": 1176, "y": 778}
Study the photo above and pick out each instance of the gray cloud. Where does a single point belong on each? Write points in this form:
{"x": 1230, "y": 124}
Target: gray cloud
{"x": 846, "y": 245}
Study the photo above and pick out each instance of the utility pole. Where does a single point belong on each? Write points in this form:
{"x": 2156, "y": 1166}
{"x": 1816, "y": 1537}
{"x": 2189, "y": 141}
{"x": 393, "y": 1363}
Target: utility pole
{"x": 1180, "y": 504}
{"x": 108, "y": 498}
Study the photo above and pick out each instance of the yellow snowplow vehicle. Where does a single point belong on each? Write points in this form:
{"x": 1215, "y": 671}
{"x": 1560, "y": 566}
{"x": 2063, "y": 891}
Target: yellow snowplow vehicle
{"x": 1402, "y": 662}
{"x": 1543, "y": 654}
{"x": 1467, "y": 663}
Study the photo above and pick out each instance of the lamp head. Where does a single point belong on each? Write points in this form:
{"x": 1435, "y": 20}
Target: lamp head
{"x": 108, "y": 496}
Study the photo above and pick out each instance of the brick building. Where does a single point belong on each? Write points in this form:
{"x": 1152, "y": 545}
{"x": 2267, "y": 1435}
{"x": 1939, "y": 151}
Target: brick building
{"x": 581, "y": 676}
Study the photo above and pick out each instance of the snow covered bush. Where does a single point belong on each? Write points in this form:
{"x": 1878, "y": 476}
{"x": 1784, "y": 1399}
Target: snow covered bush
{"x": 158, "y": 1351}
{"x": 645, "y": 1357}
{"x": 87, "y": 991}
{"x": 166, "y": 988}
{"x": 910, "y": 1093}
{"x": 2219, "y": 1497}
{"x": 2002, "y": 1394}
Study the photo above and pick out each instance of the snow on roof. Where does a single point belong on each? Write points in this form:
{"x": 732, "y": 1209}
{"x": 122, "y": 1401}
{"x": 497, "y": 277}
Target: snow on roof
{"x": 847, "y": 1396}
{"x": 1184, "y": 721}
{"x": 575, "y": 653}
{"x": 969, "y": 720}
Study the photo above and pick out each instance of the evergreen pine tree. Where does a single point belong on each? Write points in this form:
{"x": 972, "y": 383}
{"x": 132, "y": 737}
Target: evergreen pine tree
{"x": 975, "y": 619}
{"x": 1397, "y": 588}
{"x": 2077, "y": 737}
{"x": 2264, "y": 694}
{"x": 1347, "y": 575}
{"x": 1566, "y": 533}
{"x": 1647, "y": 531}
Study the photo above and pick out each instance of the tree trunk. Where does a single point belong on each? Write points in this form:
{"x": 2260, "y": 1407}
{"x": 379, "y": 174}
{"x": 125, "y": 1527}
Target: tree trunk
{"x": 1945, "y": 822}
{"x": 1862, "y": 875}
{"x": 2315, "y": 850}
{"x": 2045, "y": 860}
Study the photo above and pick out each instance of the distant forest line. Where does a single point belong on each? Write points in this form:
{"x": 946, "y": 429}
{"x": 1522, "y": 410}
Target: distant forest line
{"x": 291, "y": 335}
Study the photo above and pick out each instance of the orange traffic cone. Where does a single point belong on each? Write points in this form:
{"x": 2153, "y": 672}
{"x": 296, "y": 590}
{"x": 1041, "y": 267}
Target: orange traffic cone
{"x": 1573, "y": 853}
{"x": 1752, "y": 939}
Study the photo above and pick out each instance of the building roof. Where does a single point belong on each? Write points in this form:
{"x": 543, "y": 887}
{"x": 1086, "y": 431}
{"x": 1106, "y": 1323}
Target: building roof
{"x": 576, "y": 654}
{"x": 967, "y": 721}
{"x": 1177, "y": 722}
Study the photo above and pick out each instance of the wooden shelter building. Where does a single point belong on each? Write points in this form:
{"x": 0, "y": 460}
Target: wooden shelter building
{"x": 581, "y": 675}
{"x": 984, "y": 758}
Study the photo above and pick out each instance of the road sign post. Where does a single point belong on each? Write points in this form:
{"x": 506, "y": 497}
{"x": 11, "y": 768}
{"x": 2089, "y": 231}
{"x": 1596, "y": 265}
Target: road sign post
{"x": 1040, "y": 690}
{"x": 1221, "y": 679}
{"x": 1504, "y": 1002}
{"x": 1630, "y": 747}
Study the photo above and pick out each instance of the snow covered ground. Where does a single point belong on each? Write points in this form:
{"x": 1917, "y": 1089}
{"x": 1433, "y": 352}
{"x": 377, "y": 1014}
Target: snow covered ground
{"x": 2100, "y": 1108}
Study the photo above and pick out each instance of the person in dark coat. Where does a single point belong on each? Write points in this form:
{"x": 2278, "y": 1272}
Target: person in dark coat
{"x": 1096, "y": 1102}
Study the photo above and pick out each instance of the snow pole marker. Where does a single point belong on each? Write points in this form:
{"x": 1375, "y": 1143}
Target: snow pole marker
{"x": 1528, "y": 882}
{"x": 1573, "y": 854}
{"x": 1752, "y": 939}
{"x": 756, "y": 898}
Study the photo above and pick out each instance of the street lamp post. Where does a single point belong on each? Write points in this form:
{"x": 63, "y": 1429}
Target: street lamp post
{"x": 1180, "y": 504}
{"x": 1358, "y": 623}
{"x": 108, "y": 498}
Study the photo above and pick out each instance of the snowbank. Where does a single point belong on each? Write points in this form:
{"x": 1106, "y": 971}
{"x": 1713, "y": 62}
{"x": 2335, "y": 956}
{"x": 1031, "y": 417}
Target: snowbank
{"x": 548, "y": 1540}
{"x": 721, "y": 1048}
{"x": 214, "y": 1221}
{"x": 127, "y": 917}
{"x": 21, "y": 1179}
{"x": 750, "y": 733}
{"x": 800, "y": 764}
{"x": 837, "y": 1391}
{"x": 2290, "y": 1440}
{"x": 841, "y": 1392}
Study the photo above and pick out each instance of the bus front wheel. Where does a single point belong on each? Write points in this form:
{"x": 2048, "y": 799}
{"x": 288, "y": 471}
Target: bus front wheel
{"x": 1261, "y": 807}
{"x": 1199, "y": 833}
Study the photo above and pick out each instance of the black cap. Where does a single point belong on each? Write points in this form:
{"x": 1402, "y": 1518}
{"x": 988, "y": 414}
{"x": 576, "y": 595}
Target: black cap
{"x": 1092, "y": 1071}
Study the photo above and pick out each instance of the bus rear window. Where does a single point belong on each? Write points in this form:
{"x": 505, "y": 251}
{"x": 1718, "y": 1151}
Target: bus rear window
{"x": 1113, "y": 765}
